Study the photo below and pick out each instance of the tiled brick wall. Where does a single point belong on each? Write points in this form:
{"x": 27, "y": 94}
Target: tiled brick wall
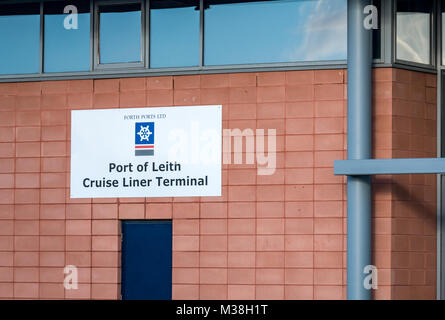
{"x": 405, "y": 205}
{"x": 267, "y": 237}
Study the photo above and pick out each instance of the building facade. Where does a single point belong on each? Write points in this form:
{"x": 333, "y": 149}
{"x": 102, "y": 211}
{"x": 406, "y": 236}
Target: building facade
{"x": 271, "y": 65}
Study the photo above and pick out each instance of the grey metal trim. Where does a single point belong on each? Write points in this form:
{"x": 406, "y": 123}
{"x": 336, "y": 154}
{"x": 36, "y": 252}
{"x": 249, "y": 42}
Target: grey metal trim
{"x": 201, "y": 32}
{"x": 95, "y": 33}
{"x": 433, "y": 34}
{"x": 42, "y": 35}
{"x": 92, "y": 24}
{"x": 381, "y": 18}
{"x": 439, "y": 33}
{"x": 121, "y": 73}
{"x": 412, "y": 67}
{"x": 143, "y": 34}
{"x": 393, "y": 30}
{"x": 439, "y": 202}
{"x": 285, "y": 64}
{"x": 147, "y": 28}
{"x": 371, "y": 167}
{"x": 441, "y": 245}
{"x": 140, "y": 72}
{"x": 387, "y": 29}
{"x": 438, "y": 28}
{"x": 119, "y": 66}
{"x": 415, "y": 65}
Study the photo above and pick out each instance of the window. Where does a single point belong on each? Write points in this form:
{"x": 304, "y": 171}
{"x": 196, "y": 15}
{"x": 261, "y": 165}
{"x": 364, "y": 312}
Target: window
{"x": 66, "y": 41}
{"x": 377, "y": 34}
{"x": 113, "y": 35}
{"x": 414, "y": 31}
{"x": 243, "y": 32}
{"x": 120, "y": 33}
{"x": 174, "y": 33}
{"x": 19, "y": 38}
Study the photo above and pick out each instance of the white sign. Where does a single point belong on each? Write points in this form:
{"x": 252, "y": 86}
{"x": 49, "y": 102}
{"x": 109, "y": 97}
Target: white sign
{"x": 146, "y": 152}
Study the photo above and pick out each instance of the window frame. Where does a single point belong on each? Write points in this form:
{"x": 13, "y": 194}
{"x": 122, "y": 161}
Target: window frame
{"x": 382, "y": 14}
{"x": 440, "y": 8}
{"x": 433, "y": 55}
{"x": 96, "y": 36}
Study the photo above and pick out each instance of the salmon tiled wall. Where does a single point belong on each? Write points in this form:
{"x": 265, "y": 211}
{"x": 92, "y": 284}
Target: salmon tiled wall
{"x": 405, "y": 205}
{"x": 267, "y": 237}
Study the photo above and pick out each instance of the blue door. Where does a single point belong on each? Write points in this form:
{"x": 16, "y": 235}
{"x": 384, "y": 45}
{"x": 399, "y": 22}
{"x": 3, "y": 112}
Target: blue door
{"x": 147, "y": 260}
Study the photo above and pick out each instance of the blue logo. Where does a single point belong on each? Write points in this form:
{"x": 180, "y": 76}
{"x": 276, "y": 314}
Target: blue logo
{"x": 144, "y": 138}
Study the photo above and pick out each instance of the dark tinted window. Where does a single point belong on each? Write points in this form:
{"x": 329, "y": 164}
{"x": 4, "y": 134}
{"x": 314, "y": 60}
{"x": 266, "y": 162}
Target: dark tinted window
{"x": 19, "y": 38}
{"x": 242, "y": 32}
{"x": 67, "y": 38}
{"x": 174, "y": 37}
{"x": 377, "y": 34}
{"x": 120, "y": 33}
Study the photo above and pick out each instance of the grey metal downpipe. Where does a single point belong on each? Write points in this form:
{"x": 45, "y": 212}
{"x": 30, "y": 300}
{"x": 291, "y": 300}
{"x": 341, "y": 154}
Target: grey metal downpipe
{"x": 359, "y": 147}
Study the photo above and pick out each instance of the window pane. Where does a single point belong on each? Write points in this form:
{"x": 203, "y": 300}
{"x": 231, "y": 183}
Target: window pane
{"x": 377, "y": 34}
{"x": 67, "y": 48}
{"x": 120, "y": 33}
{"x": 174, "y": 38}
{"x": 19, "y": 38}
{"x": 413, "y": 31}
{"x": 275, "y": 31}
